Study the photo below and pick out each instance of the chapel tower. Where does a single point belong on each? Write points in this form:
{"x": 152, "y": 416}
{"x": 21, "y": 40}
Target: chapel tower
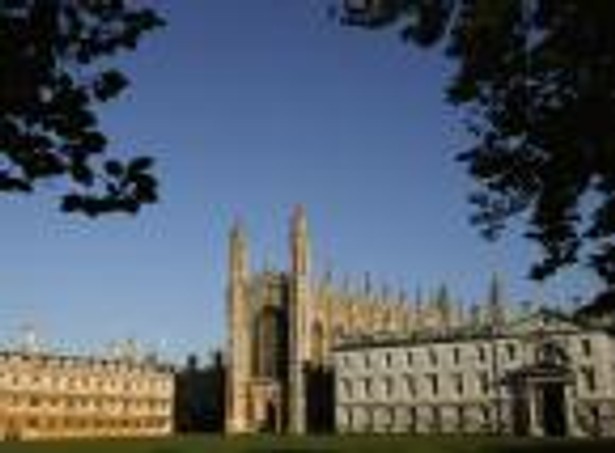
{"x": 239, "y": 345}
{"x": 299, "y": 319}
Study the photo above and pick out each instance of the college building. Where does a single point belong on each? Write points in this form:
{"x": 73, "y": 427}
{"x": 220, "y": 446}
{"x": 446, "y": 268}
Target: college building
{"x": 537, "y": 373}
{"x": 49, "y": 395}
{"x": 283, "y": 326}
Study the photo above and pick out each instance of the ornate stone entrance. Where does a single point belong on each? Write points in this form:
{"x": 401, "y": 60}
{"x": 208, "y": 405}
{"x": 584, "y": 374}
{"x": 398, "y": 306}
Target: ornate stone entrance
{"x": 540, "y": 400}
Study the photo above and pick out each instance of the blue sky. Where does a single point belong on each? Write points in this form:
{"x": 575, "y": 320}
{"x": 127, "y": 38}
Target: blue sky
{"x": 251, "y": 107}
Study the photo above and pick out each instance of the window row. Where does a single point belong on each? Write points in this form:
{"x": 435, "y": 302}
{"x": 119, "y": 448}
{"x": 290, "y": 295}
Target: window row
{"x": 37, "y": 401}
{"x": 432, "y": 356}
{"x": 81, "y": 383}
{"x": 429, "y": 384}
{"x": 50, "y": 423}
{"x": 412, "y": 419}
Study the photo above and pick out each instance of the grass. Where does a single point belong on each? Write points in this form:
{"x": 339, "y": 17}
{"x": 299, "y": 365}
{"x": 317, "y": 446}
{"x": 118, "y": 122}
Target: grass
{"x": 312, "y": 444}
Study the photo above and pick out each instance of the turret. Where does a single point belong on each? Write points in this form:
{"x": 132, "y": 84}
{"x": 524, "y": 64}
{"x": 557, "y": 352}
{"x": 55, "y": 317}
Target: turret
{"x": 495, "y": 304}
{"x": 238, "y": 252}
{"x": 300, "y": 315}
{"x": 239, "y": 346}
{"x": 299, "y": 241}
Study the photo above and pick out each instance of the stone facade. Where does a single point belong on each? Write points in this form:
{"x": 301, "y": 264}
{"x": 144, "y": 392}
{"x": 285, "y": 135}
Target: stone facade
{"x": 47, "y": 395}
{"x": 283, "y": 325}
{"x": 537, "y": 373}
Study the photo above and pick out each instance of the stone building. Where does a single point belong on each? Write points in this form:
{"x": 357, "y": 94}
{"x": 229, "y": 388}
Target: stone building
{"x": 283, "y": 325}
{"x": 535, "y": 373}
{"x": 49, "y": 395}
{"x": 199, "y": 396}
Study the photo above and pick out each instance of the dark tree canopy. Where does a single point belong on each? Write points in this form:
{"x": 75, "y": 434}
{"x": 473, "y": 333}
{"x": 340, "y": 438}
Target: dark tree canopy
{"x": 54, "y": 71}
{"x": 537, "y": 80}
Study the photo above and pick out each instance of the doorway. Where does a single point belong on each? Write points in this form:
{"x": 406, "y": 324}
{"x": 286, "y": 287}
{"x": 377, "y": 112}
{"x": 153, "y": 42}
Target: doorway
{"x": 554, "y": 409}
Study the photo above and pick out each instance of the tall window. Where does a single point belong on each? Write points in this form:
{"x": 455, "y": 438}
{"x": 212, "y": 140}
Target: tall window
{"x": 409, "y": 358}
{"x": 586, "y": 346}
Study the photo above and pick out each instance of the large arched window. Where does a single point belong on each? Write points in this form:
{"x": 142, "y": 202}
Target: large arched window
{"x": 269, "y": 347}
{"x": 318, "y": 352}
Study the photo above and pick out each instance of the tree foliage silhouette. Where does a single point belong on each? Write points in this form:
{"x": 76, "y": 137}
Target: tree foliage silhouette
{"x": 55, "y": 69}
{"x": 537, "y": 80}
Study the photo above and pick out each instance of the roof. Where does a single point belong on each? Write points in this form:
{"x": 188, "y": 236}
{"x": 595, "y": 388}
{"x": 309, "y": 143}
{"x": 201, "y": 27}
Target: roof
{"x": 541, "y": 321}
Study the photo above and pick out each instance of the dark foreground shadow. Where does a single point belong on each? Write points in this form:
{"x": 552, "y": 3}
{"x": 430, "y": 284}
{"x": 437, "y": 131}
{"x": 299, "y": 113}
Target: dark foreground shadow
{"x": 555, "y": 446}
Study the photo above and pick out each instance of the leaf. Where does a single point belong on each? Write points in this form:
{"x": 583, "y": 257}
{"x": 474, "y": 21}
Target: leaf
{"x": 114, "y": 168}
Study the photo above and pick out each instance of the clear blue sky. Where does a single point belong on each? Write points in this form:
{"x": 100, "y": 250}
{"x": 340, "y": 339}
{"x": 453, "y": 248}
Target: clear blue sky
{"x": 251, "y": 107}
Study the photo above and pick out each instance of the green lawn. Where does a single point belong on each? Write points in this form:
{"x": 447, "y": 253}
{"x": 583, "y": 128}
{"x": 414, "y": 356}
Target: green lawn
{"x": 328, "y": 444}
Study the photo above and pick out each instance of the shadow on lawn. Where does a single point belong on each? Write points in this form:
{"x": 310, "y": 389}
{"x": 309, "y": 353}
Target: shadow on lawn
{"x": 557, "y": 446}
{"x": 290, "y": 450}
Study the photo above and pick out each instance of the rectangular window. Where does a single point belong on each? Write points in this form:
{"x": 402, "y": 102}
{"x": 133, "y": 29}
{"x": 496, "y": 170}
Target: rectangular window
{"x": 433, "y": 357}
{"x": 388, "y": 359}
{"x": 458, "y": 380}
{"x": 388, "y": 386}
{"x": 485, "y": 412}
{"x": 482, "y": 355}
{"x": 410, "y": 385}
{"x": 346, "y": 361}
{"x": 511, "y": 350}
{"x": 347, "y": 387}
{"x": 589, "y": 376}
{"x": 367, "y": 387}
{"x": 435, "y": 388}
{"x": 483, "y": 380}
{"x": 368, "y": 362}
{"x": 456, "y": 355}
{"x": 586, "y": 346}
{"x": 409, "y": 358}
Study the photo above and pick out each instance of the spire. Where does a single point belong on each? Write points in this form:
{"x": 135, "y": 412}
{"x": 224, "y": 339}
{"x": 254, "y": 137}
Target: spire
{"x": 299, "y": 242}
{"x": 418, "y": 309}
{"x": 443, "y": 306}
{"x": 367, "y": 284}
{"x": 238, "y": 251}
{"x": 237, "y": 419}
{"x": 495, "y": 303}
{"x": 461, "y": 313}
